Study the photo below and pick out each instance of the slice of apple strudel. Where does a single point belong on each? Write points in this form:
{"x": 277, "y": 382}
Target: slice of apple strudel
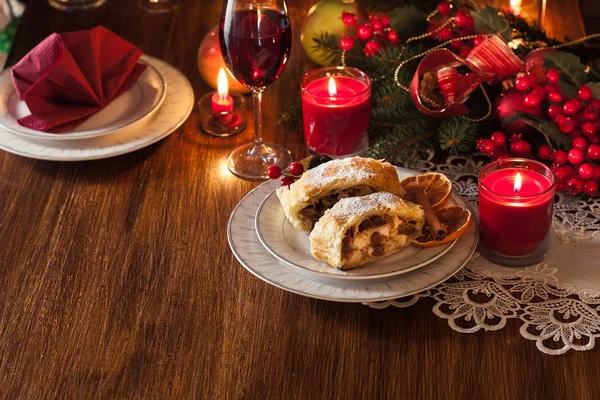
{"x": 358, "y": 230}
{"x": 319, "y": 188}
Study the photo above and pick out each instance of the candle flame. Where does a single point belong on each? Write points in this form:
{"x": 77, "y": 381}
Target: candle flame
{"x": 332, "y": 88}
{"x": 515, "y": 5}
{"x": 517, "y": 186}
{"x": 222, "y": 87}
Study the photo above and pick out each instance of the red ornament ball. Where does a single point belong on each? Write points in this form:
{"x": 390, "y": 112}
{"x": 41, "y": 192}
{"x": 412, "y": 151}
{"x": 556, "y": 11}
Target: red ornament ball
{"x": 444, "y": 8}
{"x": 347, "y": 43}
{"x": 296, "y": 168}
{"x": 585, "y": 93}
{"x": 576, "y": 156}
{"x": 364, "y": 32}
{"x": 545, "y": 152}
{"x": 273, "y": 172}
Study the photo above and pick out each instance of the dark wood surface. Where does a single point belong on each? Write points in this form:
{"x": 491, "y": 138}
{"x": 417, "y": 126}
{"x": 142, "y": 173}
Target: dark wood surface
{"x": 116, "y": 280}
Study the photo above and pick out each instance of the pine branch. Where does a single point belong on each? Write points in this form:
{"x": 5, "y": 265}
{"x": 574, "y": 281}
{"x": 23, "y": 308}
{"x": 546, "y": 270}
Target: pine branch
{"x": 290, "y": 119}
{"x": 457, "y": 134}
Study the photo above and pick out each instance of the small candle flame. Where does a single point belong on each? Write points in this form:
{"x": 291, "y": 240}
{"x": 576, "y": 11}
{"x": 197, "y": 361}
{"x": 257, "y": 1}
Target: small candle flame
{"x": 515, "y": 5}
{"x": 222, "y": 87}
{"x": 332, "y": 88}
{"x": 517, "y": 186}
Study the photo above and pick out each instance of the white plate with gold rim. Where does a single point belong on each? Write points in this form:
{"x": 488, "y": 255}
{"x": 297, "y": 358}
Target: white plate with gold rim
{"x": 249, "y": 251}
{"x": 292, "y": 246}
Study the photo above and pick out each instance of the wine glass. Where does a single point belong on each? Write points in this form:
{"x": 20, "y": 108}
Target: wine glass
{"x": 256, "y": 38}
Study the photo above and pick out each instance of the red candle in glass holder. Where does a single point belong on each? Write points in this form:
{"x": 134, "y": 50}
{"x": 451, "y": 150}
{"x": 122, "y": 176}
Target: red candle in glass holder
{"x": 221, "y": 101}
{"x": 336, "y": 109}
{"x": 515, "y": 208}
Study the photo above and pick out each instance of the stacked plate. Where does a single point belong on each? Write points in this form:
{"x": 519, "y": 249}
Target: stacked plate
{"x": 155, "y": 105}
{"x": 267, "y": 245}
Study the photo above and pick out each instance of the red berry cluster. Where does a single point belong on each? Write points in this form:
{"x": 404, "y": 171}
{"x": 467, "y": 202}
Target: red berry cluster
{"x": 376, "y": 32}
{"x": 497, "y": 148}
{"x": 463, "y": 26}
{"x": 293, "y": 171}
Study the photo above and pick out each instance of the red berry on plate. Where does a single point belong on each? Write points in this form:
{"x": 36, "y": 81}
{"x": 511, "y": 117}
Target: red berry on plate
{"x": 445, "y": 34}
{"x": 273, "y": 172}
{"x": 393, "y": 36}
{"x": 589, "y": 129}
{"x": 486, "y": 146}
{"x": 590, "y": 188}
{"x": 531, "y": 100}
{"x": 560, "y": 157}
{"x": 579, "y": 143}
{"x": 586, "y": 171}
{"x": 296, "y": 168}
{"x": 553, "y": 75}
{"x": 566, "y": 125}
{"x": 347, "y": 43}
{"x": 348, "y": 18}
{"x": 498, "y": 138}
{"x": 554, "y": 97}
{"x": 570, "y": 108}
{"x": 593, "y": 152}
{"x": 545, "y": 152}
{"x": 287, "y": 181}
{"x": 554, "y": 110}
{"x": 576, "y": 156}
{"x": 522, "y": 83}
{"x": 444, "y": 8}
{"x": 364, "y": 32}
{"x": 575, "y": 185}
{"x": 584, "y": 93}
{"x": 563, "y": 172}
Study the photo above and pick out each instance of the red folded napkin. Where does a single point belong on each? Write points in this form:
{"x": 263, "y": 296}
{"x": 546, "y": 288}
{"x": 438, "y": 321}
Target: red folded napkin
{"x": 72, "y": 75}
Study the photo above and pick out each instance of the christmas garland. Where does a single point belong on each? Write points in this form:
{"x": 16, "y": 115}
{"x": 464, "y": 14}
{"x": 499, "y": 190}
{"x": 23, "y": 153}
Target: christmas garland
{"x": 542, "y": 104}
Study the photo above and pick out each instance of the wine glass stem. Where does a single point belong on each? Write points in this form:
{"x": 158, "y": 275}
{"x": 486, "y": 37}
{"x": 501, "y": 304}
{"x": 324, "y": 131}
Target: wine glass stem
{"x": 257, "y": 97}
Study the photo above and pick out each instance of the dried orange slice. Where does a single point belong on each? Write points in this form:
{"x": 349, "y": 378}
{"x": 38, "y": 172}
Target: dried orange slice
{"x": 456, "y": 220}
{"x": 436, "y": 186}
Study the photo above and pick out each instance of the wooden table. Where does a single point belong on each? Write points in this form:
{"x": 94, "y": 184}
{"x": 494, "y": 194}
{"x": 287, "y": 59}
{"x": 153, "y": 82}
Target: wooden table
{"x": 116, "y": 279}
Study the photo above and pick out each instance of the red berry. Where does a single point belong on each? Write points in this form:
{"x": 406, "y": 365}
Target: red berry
{"x": 539, "y": 92}
{"x": 502, "y": 156}
{"x": 554, "y": 110}
{"x": 563, "y": 172}
{"x": 566, "y": 125}
{"x": 444, "y": 8}
{"x": 575, "y": 185}
{"x": 575, "y": 133}
{"x": 371, "y": 48}
{"x": 595, "y": 103}
{"x": 522, "y": 83}
{"x": 593, "y": 152}
{"x": 585, "y": 93}
{"x": 545, "y": 152}
{"x": 377, "y": 25}
{"x": 464, "y": 51}
{"x": 498, "y": 138}
{"x": 554, "y": 97}
{"x": 470, "y": 22}
{"x": 589, "y": 129}
{"x": 461, "y": 19}
{"x": 347, "y": 43}
{"x": 531, "y": 100}
{"x": 590, "y": 113}
{"x": 579, "y": 143}
{"x": 296, "y": 168}
{"x": 570, "y": 108}
{"x": 364, "y": 32}
{"x": 553, "y": 75}
{"x": 517, "y": 147}
{"x": 590, "y": 188}
{"x": 348, "y": 18}
{"x": 560, "y": 157}
{"x": 478, "y": 40}
{"x": 393, "y": 36}
{"x": 596, "y": 172}
{"x": 576, "y": 156}
{"x": 561, "y": 185}
{"x": 497, "y": 152}
{"x": 486, "y": 146}
{"x": 586, "y": 171}
{"x": 594, "y": 139}
{"x": 552, "y": 87}
{"x": 287, "y": 181}
{"x": 526, "y": 148}
{"x": 445, "y": 34}
{"x": 577, "y": 103}
{"x": 385, "y": 19}
{"x": 456, "y": 45}
{"x": 273, "y": 172}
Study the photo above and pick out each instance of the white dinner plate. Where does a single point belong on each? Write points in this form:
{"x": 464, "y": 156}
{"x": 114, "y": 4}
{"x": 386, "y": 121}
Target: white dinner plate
{"x": 131, "y": 110}
{"x": 249, "y": 251}
{"x": 292, "y": 246}
{"x": 177, "y": 106}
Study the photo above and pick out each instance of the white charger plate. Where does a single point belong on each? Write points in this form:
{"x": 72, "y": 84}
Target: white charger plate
{"x": 130, "y": 110}
{"x": 177, "y": 106}
{"x": 292, "y": 246}
{"x": 249, "y": 251}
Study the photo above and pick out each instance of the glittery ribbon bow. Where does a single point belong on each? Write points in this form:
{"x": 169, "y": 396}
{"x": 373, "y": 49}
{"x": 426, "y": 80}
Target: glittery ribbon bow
{"x": 492, "y": 61}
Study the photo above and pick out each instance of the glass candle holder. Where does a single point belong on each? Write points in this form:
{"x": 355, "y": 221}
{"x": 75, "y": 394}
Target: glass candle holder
{"x": 336, "y": 109}
{"x": 516, "y": 204}
{"x": 222, "y": 123}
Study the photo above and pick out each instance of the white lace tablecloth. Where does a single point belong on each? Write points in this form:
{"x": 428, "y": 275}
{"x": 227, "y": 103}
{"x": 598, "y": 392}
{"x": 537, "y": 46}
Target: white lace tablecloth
{"x": 557, "y": 301}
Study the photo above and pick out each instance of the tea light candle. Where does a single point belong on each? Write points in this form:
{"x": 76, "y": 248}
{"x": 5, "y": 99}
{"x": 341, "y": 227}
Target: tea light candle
{"x": 516, "y": 199}
{"x": 336, "y": 109}
{"x": 221, "y": 101}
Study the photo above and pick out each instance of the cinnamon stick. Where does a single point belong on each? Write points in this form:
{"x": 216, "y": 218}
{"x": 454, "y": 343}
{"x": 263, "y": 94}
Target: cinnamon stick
{"x": 438, "y": 230}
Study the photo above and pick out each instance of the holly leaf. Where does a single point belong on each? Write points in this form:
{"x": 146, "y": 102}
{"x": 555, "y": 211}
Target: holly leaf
{"x": 568, "y": 89}
{"x": 489, "y": 21}
{"x": 568, "y": 65}
{"x": 553, "y": 135}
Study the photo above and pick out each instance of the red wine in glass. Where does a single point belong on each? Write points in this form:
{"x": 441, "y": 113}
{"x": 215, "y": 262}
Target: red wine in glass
{"x": 256, "y": 39}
